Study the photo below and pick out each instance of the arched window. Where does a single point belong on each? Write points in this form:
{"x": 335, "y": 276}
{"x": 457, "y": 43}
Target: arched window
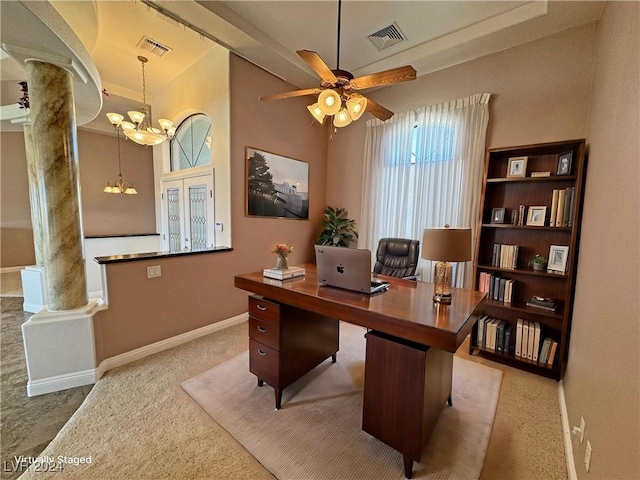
{"x": 191, "y": 144}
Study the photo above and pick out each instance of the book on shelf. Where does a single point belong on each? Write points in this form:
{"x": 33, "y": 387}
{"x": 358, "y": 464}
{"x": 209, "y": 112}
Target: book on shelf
{"x": 531, "y": 339}
{"x": 504, "y": 256}
{"x": 480, "y": 334}
{"x": 552, "y": 352}
{"x": 283, "y": 274}
{"x": 543, "y": 357}
{"x": 518, "y": 346}
{"x": 568, "y": 193}
{"x": 572, "y": 207}
{"x": 507, "y": 340}
{"x": 542, "y": 303}
{"x": 536, "y": 340}
{"x": 492, "y": 334}
{"x": 525, "y": 339}
{"x": 554, "y": 208}
{"x": 522, "y": 212}
{"x": 560, "y": 213}
{"x": 500, "y": 336}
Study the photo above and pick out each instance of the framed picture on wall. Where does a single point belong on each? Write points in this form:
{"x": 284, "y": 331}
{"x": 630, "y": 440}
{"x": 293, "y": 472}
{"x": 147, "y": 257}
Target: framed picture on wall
{"x": 276, "y": 186}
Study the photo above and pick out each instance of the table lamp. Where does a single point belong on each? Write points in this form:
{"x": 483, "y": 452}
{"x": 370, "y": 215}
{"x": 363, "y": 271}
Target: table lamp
{"x": 444, "y": 245}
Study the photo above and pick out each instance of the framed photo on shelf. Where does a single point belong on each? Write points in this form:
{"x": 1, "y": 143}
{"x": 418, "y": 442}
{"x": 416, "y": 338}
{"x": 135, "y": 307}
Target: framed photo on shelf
{"x": 536, "y": 216}
{"x": 564, "y": 163}
{"x": 517, "y": 167}
{"x": 497, "y": 215}
{"x": 276, "y": 186}
{"x": 558, "y": 255}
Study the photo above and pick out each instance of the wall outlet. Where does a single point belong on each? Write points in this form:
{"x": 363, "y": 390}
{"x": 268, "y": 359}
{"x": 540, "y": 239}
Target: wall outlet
{"x": 587, "y": 456}
{"x": 582, "y": 425}
{"x": 153, "y": 272}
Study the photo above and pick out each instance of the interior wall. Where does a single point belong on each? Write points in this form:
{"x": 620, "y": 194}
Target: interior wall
{"x": 539, "y": 93}
{"x": 198, "y": 290}
{"x": 602, "y": 381}
{"x": 102, "y": 214}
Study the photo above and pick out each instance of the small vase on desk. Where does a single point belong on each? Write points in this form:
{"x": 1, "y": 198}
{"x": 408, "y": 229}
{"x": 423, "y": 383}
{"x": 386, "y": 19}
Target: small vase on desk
{"x": 282, "y": 263}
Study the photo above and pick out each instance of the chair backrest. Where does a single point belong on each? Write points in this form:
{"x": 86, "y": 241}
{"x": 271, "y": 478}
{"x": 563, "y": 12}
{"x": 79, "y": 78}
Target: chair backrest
{"x": 397, "y": 257}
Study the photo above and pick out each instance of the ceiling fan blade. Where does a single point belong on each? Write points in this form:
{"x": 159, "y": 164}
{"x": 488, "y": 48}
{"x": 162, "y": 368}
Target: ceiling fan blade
{"x": 318, "y": 65}
{"x": 388, "y": 77}
{"x": 295, "y": 93}
{"x": 378, "y": 110}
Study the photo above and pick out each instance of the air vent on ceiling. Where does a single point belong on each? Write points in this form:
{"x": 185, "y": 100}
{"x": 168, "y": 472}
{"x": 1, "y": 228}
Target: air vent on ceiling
{"x": 387, "y": 36}
{"x": 153, "y": 46}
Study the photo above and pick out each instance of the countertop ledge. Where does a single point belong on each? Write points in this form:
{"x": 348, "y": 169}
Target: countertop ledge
{"x": 132, "y": 257}
{"x": 116, "y": 235}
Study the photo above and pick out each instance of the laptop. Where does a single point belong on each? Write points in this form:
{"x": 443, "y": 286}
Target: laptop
{"x": 347, "y": 268}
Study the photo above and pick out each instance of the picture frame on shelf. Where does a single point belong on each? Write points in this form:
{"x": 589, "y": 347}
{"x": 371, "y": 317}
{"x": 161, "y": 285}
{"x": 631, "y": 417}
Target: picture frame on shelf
{"x": 497, "y": 215}
{"x": 565, "y": 161}
{"x": 536, "y": 216}
{"x": 517, "y": 167}
{"x": 558, "y": 255}
{"x": 275, "y": 186}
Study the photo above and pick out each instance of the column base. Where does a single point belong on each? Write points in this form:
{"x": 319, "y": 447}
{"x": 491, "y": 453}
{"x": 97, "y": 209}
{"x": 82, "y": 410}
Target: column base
{"x": 59, "y": 349}
{"x": 34, "y": 289}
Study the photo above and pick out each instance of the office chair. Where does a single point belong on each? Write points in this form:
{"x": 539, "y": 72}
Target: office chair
{"x": 397, "y": 257}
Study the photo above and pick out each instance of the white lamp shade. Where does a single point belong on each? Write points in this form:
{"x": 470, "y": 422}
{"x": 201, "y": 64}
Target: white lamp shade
{"x": 145, "y": 138}
{"x": 165, "y": 124}
{"x": 127, "y": 126}
{"x": 342, "y": 118}
{"x": 136, "y": 117}
{"x": 108, "y": 189}
{"x": 356, "y": 105}
{"x": 329, "y": 102}
{"x": 317, "y": 113}
{"x": 131, "y": 191}
{"x": 115, "y": 118}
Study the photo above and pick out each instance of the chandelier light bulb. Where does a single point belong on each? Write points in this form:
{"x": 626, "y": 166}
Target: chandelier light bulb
{"x": 317, "y": 113}
{"x": 342, "y": 118}
{"x": 329, "y": 102}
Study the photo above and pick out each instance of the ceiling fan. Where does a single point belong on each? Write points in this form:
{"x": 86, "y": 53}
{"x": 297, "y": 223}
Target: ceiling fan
{"x": 338, "y": 92}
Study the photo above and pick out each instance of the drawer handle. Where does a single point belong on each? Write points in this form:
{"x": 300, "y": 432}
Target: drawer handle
{"x": 260, "y": 352}
{"x": 262, "y": 329}
{"x": 260, "y": 307}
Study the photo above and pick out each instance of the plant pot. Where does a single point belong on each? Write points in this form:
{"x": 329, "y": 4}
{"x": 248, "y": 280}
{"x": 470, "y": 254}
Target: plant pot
{"x": 539, "y": 267}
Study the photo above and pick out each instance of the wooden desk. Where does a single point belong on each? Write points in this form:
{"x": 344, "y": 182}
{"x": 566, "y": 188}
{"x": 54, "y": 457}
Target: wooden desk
{"x": 409, "y": 335}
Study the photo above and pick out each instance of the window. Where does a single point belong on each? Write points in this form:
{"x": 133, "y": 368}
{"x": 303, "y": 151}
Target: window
{"x": 191, "y": 144}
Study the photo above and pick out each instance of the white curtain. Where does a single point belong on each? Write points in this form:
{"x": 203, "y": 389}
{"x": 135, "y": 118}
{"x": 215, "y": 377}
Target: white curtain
{"x": 424, "y": 169}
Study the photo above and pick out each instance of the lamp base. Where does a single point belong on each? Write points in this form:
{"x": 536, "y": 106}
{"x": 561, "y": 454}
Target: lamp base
{"x": 442, "y": 283}
{"x": 444, "y": 299}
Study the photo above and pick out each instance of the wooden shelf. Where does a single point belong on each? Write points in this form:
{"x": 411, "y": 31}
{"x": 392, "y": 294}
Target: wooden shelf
{"x": 511, "y": 194}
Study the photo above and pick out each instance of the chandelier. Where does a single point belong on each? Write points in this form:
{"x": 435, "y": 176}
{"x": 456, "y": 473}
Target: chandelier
{"x": 119, "y": 186}
{"x": 140, "y": 129}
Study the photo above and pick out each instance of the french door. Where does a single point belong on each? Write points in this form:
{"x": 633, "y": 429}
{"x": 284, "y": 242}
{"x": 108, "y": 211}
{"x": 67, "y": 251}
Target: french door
{"x": 187, "y": 213}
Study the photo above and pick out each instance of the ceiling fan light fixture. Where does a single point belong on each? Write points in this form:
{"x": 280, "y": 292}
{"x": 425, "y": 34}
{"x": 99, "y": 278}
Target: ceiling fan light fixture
{"x": 115, "y": 118}
{"x": 329, "y": 101}
{"x": 342, "y": 118}
{"x": 317, "y": 113}
{"x": 356, "y": 106}
{"x": 136, "y": 117}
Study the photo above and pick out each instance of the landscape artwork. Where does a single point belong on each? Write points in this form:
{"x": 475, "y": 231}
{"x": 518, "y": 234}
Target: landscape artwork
{"x": 276, "y": 186}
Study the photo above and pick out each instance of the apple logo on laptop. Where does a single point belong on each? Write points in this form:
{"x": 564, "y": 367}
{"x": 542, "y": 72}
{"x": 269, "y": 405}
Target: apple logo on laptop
{"x": 340, "y": 269}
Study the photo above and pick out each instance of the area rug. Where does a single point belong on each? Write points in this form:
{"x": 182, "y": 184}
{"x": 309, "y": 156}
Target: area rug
{"x": 317, "y": 434}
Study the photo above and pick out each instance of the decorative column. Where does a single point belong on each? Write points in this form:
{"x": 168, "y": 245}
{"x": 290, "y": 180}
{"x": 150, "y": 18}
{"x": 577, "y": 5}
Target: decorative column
{"x": 34, "y": 197}
{"x": 56, "y": 171}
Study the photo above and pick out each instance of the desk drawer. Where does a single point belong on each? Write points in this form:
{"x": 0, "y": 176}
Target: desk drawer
{"x": 264, "y": 309}
{"x": 264, "y": 363}
{"x": 265, "y": 332}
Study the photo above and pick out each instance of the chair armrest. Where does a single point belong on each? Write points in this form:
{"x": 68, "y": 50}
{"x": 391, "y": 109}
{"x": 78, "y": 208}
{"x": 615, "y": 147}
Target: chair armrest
{"x": 411, "y": 277}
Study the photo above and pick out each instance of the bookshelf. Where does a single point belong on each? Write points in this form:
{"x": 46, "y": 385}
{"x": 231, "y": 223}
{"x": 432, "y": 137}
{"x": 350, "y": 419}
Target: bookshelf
{"x": 502, "y": 190}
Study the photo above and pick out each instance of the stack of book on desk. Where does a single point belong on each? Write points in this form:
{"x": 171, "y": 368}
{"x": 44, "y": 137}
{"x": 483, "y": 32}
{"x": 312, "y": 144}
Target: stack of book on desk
{"x": 542, "y": 303}
{"x": 285, "y": 274}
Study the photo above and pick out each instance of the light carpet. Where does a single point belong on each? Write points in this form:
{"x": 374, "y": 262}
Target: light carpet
{"x": 318, "y": 432}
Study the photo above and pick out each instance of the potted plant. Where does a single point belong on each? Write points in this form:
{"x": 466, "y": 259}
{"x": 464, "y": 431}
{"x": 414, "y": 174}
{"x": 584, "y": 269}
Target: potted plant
{"x": 538, "y": 262}
{"x": 338, "y": 231}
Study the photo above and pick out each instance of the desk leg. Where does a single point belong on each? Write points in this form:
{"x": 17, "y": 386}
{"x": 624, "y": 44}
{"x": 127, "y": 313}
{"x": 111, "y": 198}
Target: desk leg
{"x": 408, "y": 466}
{"x": 278, "y": 393}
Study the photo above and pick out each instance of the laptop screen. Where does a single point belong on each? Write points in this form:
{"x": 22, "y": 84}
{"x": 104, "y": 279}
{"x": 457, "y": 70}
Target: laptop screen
{"x": 348, "y": 268}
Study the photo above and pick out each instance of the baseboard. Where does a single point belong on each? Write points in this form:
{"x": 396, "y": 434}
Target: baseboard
{"x": 166, "y": 344}
{"x": 566, "y": 430}
{"x": 61, "y": 382}
{"x": 89, "y": 377}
